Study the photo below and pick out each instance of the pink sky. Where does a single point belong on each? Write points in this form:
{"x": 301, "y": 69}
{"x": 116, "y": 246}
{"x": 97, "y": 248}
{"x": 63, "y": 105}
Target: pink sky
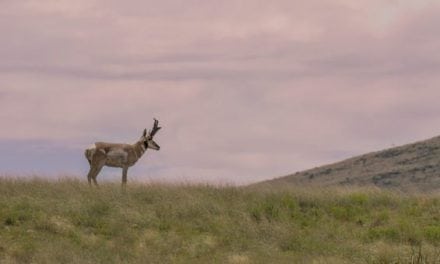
{"x": 245, "y": 90}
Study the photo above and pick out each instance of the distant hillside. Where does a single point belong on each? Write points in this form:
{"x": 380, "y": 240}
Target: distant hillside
{"x": 410, "y": 167}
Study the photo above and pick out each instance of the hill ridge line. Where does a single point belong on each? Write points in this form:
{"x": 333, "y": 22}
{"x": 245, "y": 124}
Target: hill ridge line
{"x": 413, "y": 166}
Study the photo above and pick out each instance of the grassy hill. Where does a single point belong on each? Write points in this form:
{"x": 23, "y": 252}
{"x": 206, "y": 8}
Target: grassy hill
{"x": 413, "y": 167}
{"x": 69, "y": 222}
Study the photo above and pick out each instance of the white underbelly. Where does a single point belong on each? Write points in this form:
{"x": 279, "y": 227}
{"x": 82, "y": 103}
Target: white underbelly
{"x": 116, "y": 158}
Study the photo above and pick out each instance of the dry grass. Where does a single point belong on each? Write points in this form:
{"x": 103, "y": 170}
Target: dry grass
{"x": 412, "y": 168}
{"x": 68, "y": 222}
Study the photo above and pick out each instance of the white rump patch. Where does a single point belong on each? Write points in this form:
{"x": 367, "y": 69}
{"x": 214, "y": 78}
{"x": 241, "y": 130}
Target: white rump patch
{"x": 93, "y": 149}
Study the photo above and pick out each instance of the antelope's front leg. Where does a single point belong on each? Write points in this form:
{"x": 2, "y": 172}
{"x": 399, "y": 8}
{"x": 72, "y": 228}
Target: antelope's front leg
{"x": 124, "y": 176}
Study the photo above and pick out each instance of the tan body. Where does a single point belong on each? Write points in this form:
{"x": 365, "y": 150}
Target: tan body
{"x": 118, "y": 155}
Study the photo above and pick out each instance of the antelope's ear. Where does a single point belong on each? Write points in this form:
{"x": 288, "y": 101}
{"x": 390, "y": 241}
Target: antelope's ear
{"x": 145, "y": 133}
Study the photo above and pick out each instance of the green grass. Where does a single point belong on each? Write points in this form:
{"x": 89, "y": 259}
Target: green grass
{"x": 68, "y": 222}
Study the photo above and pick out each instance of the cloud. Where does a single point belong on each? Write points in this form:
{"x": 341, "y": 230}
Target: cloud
{"x": 245, "y": 90}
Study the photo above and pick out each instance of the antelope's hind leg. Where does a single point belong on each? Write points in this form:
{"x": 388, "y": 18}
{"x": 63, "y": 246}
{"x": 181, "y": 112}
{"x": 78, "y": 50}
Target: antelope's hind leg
{"x": 89, "y": 175}
{"x": 93, "y": 173}
{"x": 96, "y": 164}
{"x": 97, "y": 170}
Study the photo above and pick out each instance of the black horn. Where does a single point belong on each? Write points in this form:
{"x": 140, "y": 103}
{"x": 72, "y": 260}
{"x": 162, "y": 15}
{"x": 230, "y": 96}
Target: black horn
{"x": 156, "y": 128}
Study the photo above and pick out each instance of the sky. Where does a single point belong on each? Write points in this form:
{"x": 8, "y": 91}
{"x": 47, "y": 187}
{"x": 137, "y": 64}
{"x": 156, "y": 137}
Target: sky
{"x": 245, "y": 90}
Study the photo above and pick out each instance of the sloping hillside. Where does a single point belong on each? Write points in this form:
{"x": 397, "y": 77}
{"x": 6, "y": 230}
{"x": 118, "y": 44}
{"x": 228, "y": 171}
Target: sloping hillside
{"x": 409, "y": 167}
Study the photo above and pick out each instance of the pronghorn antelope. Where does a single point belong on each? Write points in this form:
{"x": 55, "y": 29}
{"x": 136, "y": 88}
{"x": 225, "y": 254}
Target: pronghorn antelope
{"x": 117, "y": 155}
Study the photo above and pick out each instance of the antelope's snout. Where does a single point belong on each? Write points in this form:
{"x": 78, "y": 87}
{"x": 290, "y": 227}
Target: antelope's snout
{"x": 153, "y": 145}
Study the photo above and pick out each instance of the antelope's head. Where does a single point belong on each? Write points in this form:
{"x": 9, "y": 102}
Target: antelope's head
{"x": 147, "y": 138}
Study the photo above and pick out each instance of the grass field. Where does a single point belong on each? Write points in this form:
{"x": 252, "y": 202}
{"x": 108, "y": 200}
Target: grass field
{"x": 66, "y": 221}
